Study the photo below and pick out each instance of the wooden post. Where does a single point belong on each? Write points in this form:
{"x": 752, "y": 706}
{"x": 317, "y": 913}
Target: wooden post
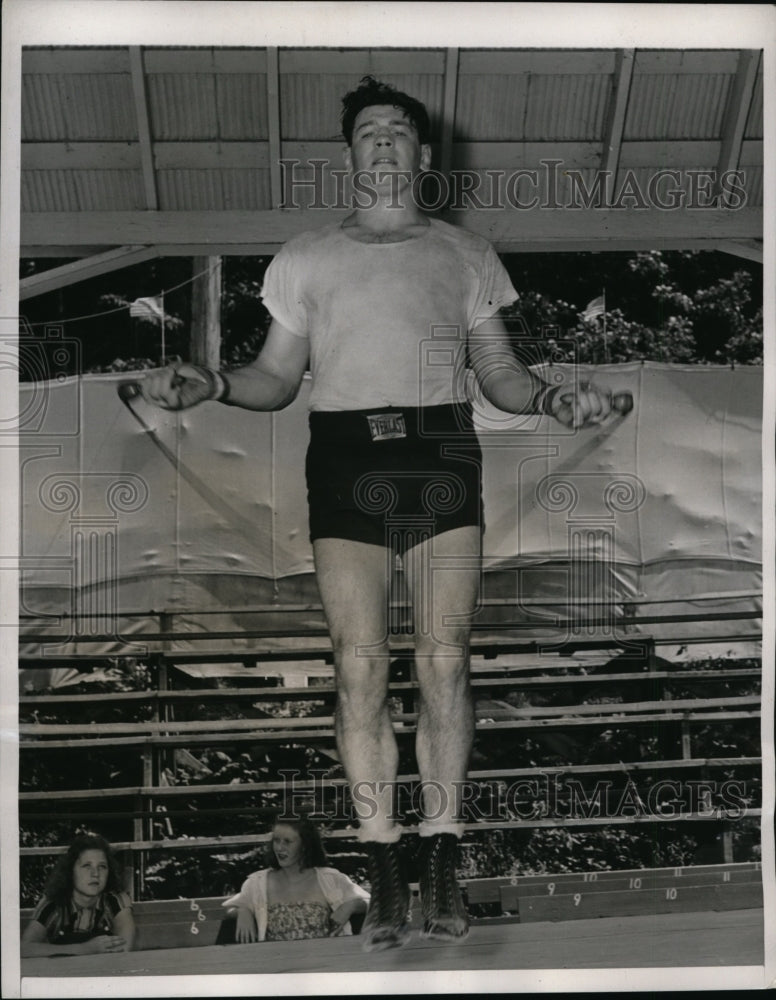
{"x": 127, "y": 865}
{"x": 727, "y": 844}
{"x": 139, "y": 856}
{"x": 165, "y": 712}
{"x": 205, "y": 344}
{"x": 686, "y": 741}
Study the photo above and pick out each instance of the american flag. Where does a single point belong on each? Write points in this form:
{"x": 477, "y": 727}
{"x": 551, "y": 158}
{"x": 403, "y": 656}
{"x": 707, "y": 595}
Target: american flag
{"x": 150, "y": 308}
{"x": 596, "y": 307}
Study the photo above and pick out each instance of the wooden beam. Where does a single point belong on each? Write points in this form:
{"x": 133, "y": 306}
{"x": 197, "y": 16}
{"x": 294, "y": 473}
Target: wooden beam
{"x": 746, "y": 249}
{"x": 534, "y": 244}
{"x": 205, "y": 60}
{"x": 736, "y": 114}
{"x": 359, "y": 62}
{"x": 78, "y": 252}
{"x": 205, "y": 342}
{"x": 651, "y": 224}
{"x": 508, "y": 62}
{"x": 687, "y": 61}
{"x": 513, "y": 245}
{"x": 211, "y": 155}
{"x": 128, "y": 155}
{"x": 143, "y": 127}
{"x": 81, "y": 270}
{"x": 448, "y": 111}
{"x": 273, "y": 118}
{"x": 684, "y": 154}
{"x": 81, "y": 60}
{"x": 509, "y": 226}
{"x": 679, "y": 154}
{"x": 615, "y": 115}
{"x": 80, "y": 156}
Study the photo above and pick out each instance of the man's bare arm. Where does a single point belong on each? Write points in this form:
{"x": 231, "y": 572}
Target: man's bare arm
{"x": 510, "y": 385}
{"x": 269, "y": 383}
{"x": 505, "y": 381}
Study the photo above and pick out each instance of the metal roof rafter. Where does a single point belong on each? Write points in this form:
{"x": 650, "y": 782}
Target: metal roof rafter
{"x": 448, "y": 111}
{"x": 143, "y": 126}
{"x": 736, "y": 114}
{"x": 615, "y": 118}
{"x": 273, "y": 121}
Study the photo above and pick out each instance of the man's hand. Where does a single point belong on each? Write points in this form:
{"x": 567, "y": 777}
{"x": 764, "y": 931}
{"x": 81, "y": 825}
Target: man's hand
{"x": 585, "y": 405}
{"x": 246, "y": 931}
{"x": 180, "y": 386}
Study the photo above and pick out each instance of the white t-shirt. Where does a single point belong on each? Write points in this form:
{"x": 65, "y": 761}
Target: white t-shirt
{"x": 387, "y": 322}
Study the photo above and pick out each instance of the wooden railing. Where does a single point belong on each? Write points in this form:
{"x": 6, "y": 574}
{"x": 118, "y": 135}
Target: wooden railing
{"x": 182, "y": 923}
{"x": 664, "y": 701}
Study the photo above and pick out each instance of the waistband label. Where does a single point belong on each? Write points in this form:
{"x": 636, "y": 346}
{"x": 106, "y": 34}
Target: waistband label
{"x": 386, "y": 426}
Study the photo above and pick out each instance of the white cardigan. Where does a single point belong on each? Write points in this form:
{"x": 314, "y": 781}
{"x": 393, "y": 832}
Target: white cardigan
{"x": 335, "y": 886}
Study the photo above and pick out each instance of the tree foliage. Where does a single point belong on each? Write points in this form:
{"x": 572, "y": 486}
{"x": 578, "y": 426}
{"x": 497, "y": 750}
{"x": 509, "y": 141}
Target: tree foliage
{"x": 690, "y": 307}
{"x": 687, "y": 307}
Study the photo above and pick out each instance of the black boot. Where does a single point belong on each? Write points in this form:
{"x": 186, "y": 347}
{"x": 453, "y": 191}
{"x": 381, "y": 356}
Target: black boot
{"x": 444, "y": 915}
{"x": 387, "y": 920}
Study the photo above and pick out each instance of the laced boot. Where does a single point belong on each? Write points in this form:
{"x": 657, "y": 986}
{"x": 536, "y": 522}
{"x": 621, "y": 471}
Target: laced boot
{"x": 386, "y": 923}
{"x": 444, "y": 915}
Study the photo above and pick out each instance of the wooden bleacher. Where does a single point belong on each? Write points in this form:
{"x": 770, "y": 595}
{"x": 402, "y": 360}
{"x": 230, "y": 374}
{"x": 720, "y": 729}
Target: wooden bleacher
{"x": 598, "y": 684}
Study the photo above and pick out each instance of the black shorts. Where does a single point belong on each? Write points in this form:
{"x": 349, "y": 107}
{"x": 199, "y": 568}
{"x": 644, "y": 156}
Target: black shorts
{"x": 393, "y": 476}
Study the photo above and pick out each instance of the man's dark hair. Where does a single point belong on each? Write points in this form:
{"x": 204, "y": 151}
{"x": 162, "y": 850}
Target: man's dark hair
{"x": 59, "y": 884}
{"x": 371, "y": 92}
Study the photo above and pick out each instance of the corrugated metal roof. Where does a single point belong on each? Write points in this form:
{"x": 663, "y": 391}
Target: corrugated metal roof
{"x": 48, "y": 191}
{"x": 754, "y": 185}
{"x": 566, "y": 107}
{"x": 754, "y": 122}
{"x": 531, "y": 107}
{"x": 213, "y": 190}
{"x": 311, "y": 103}
{"x": 81, "y": 190}
{"x": 242, "y": 106}
{"x": 677, "y": 106}
{"x": 182, "y": 106}
{"x": 505, "y": 99}
{"x": 83, "y": 110}
{"x": 77, "y": 107}
{"x": 192, "y": 106}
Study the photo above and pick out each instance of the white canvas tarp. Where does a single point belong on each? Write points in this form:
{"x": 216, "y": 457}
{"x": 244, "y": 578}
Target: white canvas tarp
{"x": 661, "y": 507}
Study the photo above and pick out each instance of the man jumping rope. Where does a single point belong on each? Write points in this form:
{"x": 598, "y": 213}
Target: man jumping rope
{"x": 393, "y": 467}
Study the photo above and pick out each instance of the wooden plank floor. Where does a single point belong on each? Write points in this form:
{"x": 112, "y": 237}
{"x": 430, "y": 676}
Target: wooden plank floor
{"x": 710, "y": 939}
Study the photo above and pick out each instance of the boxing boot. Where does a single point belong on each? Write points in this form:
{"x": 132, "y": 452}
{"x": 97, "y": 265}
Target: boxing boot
{"x": 444, "y": 915}
{"x": 387, "y": 920}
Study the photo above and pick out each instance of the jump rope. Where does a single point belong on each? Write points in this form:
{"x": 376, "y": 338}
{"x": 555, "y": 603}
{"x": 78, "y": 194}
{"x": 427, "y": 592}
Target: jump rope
{"x": 128, "y": 392}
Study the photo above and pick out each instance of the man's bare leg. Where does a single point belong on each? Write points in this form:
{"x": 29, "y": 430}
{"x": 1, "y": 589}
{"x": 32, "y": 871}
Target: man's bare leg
{"x": 353, "y": 579}
{"x": 444, "y": 576}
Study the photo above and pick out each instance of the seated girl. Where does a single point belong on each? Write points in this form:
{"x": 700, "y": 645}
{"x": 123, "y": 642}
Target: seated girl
{"x": 83, "y": 910}
{"x": 297, "y": 896}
